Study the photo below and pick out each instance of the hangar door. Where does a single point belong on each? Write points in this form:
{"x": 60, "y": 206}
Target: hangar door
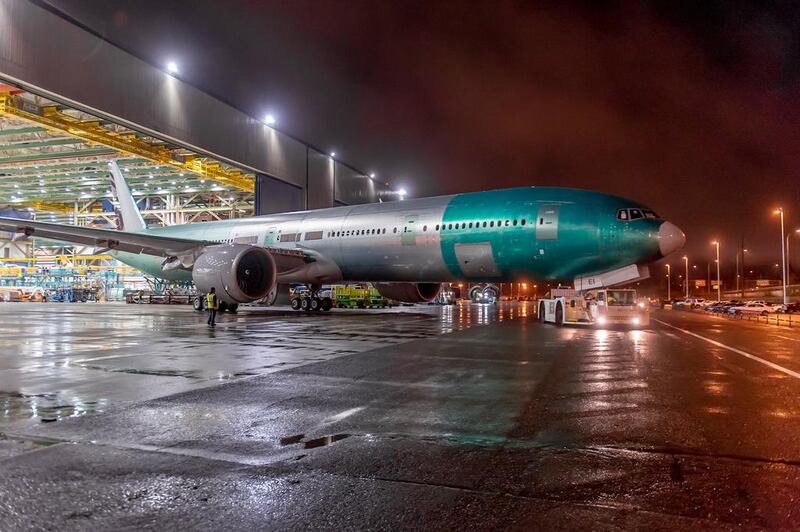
{"x": 276, "y": 196}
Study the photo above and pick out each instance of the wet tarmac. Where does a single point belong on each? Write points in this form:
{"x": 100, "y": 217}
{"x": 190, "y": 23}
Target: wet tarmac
{"x": 432, "y": 417}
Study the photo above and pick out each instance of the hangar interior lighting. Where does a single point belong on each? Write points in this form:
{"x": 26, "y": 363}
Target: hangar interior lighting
{"x": 172, "y": 67}
{"x": 269, "y": 120}
{"x": 333, "y": 154}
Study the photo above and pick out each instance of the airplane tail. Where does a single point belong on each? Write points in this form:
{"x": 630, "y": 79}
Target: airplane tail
{"x": 128, "y": 213}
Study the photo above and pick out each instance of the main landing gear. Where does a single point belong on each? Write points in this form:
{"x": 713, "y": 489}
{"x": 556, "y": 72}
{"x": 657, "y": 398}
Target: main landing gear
{"x": 311, "y": 301}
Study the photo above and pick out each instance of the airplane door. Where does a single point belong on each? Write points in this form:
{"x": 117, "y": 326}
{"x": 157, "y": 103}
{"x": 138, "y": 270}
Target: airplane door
{"x": 409, "y": 236}
{"x": 547, "y": 222}
{"x": 269, "y": 240}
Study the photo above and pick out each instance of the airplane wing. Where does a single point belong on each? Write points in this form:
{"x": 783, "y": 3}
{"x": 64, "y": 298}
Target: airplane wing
{"x": 149, "y": 244}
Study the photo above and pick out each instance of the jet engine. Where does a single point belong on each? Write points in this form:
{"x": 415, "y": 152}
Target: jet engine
{"x": 239, "y": 272}
{"x": 409, "y": 292}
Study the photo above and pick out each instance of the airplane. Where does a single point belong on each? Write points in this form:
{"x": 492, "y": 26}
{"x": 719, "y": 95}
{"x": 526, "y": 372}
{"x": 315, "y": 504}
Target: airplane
{"x": 407, "y": 249}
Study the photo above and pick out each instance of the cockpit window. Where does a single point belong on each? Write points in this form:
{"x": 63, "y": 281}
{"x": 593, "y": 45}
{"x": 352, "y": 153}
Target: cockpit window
{"x": 627, "y": 215}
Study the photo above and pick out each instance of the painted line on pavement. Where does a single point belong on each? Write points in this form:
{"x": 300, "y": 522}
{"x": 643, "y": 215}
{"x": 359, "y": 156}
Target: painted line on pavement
{"x": 787, "y": 371}
{"x": 786, "y": 338}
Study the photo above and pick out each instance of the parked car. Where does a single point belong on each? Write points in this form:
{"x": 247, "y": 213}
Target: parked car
{"x": 790, "y": 308}
{"x": 721, "y": 306}
{"x": 753, "y": 308}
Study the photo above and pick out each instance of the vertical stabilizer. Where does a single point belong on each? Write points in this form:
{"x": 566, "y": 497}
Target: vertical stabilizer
{"x": 128, "y": 213}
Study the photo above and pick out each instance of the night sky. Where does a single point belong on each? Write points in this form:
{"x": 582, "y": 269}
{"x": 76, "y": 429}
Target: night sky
{"x": 691, "y": 108}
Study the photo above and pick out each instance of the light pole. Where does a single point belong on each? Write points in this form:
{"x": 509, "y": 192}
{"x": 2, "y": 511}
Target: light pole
{"x": 737, "y": 268}
{"x": 779, "y": 210}
{"x": 719, "y": 287}
{"x": 669, "y": 283}
{"x": 686, "y": 279}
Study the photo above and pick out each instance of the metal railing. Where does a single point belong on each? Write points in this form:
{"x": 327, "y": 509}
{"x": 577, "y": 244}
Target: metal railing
{"x": 775, "y": 318}
{"x": 156, "y": 299}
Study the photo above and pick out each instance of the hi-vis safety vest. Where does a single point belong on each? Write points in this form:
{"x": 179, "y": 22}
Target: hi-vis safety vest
{"x": 211, "y": 301}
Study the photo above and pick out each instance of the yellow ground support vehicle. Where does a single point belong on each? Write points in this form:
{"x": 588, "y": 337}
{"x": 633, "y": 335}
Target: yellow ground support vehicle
{"x": 354, "y": 296}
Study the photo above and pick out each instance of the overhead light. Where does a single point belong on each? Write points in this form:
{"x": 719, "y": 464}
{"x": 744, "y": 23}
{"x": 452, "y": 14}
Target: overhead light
{"x": 269, "y": 120}
{"x": 402, "y": 192}
{"x": 172, "y": 67}
{"x": 333, "y": 154}
{"x": 372, "y": 175}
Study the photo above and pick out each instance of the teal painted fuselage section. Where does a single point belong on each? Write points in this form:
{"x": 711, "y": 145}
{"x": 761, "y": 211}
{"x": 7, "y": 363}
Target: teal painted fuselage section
{"x": 546, "y": 233}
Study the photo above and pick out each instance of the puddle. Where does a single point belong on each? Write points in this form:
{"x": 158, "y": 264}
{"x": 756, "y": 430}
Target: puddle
{"x": 325, "y": 440}
{"x": 48, "y": 407}
{"x": 291, "y": 440}
{"x": 312, "y": 444}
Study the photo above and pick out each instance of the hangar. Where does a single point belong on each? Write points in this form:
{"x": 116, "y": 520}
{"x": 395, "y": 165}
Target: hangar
{"x": 188, "y": 156}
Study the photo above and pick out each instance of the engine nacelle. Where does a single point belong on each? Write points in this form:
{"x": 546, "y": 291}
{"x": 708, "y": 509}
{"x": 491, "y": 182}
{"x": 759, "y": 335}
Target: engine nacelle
{"x": 240, "y": 273}
{"x": 409, "y": 292}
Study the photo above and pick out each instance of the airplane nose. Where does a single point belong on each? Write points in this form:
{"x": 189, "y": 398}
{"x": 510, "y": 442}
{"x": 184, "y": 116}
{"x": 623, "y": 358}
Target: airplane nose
{"x": 670, "y": 238}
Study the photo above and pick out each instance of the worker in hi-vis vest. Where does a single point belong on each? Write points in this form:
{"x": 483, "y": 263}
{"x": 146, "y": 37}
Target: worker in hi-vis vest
{"x": 212, "y": 304}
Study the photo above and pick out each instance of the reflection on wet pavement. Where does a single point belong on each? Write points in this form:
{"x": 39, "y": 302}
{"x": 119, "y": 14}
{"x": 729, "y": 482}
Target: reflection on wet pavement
{"x": 65, "y": 360}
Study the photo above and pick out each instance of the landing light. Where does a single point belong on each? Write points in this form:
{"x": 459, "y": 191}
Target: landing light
{"x": 601, "y": 320}
{"x": 333, "y": 154}
{"x": 636, "y": 321}
{"x": 172, "y": 67}
{"x": 269, "y": 120}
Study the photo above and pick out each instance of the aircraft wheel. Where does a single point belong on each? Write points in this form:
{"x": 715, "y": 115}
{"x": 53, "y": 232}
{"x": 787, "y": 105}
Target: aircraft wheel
{"x": 559, "y": 315}
{"x": 326, "y": 304}
{"x": 233, "y": 307}
{"x": 541, "y": 312}
{"x": 296, "y": 303}
{"x": 314, "y": 304}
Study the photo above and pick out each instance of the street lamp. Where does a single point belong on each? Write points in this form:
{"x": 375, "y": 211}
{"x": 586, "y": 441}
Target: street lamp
{"x": 719, "y": 286}
{"x": 669, "y": 283}
{"x": 686, "y": 279}
{"x": 779, "y": 210}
